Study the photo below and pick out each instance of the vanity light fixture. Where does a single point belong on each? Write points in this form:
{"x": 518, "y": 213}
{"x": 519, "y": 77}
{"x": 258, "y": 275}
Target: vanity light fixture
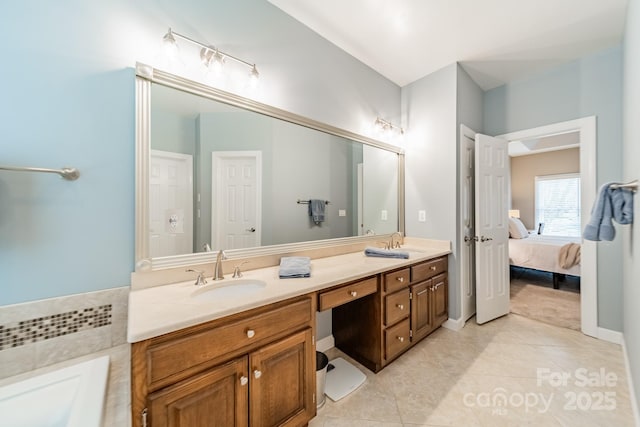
{"x": 385, "y": 126}
{"x": 212, "y": 58}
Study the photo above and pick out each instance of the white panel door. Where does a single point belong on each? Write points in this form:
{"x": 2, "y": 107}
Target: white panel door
{"x": 236, "y": 209}
{"x": 492, "y": 230}
{"x": 170, "y": 204}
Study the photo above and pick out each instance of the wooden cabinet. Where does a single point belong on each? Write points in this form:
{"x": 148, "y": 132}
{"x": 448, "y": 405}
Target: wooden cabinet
{"x": 254, "y": 369}
{"x": 410, "y": 303}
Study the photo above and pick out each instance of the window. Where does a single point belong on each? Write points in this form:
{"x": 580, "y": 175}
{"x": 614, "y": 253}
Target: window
{"x": 558, "y": 204}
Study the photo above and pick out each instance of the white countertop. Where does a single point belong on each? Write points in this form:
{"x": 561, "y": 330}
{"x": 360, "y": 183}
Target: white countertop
{"x": 162, "y": 309}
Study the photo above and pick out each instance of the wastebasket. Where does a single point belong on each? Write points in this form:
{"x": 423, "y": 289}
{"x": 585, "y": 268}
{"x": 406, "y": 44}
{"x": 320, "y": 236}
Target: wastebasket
{"x": 322, "y": 361}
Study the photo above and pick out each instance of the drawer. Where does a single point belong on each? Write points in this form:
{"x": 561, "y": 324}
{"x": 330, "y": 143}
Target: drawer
{"x": 396, "y": 307}
{"x": 396, "y": 280}
{"x": 396, "y": 339}
{"x": 172, "y": 357}
{"x": 347, "y": 293}
{"x": 428, "y": 269}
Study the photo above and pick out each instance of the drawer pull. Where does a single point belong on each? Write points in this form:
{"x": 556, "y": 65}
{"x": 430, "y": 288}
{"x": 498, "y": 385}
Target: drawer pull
{"x": 401, "y": 339}
{"x": 353, "y": 294}
{"x": 437, "y": 286}
{"x": 400, "y": 306}
{"x": 432, "y": 268}
{"x": 421, "y": 292}
{"x": 257, "y": 374}
{"x": 400, "y": 279}
{"x": 251, "y": 333}
{"x": 244, "y": 380}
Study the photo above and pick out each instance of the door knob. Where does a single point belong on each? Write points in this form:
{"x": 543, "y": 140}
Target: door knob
{"x": 468, "y": 239}
{"x": 485, "y": 239}
{"x": 252, "y": 229}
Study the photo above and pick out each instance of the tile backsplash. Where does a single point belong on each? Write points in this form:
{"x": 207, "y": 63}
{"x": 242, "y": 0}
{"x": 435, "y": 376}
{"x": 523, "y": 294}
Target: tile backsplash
{"x": 41, "y": 333}
{"x": 46, "y": 327}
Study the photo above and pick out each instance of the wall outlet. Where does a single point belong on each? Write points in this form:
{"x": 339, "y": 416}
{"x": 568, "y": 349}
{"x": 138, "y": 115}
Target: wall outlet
{"x": 342, "y": 212}
{"x": 422, "y": 216}
{"x": 383, "y": 215}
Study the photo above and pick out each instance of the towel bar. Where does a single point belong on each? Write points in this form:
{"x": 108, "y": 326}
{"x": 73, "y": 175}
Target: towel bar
{"x": 306, "y": 202}
{"x": 632, "y": 186}
{"x": 70, "y": 174}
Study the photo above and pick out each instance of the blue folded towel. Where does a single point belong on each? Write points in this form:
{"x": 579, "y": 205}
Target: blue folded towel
{"x": 611, "y": 204}
{"x": 385, "y": 253}
{"x": 295, "y": 266}
{"x": 316, "y": 210}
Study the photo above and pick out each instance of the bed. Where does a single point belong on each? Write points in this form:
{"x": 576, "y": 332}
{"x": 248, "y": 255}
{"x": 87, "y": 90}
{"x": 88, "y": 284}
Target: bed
{"x": 541, "y": 252}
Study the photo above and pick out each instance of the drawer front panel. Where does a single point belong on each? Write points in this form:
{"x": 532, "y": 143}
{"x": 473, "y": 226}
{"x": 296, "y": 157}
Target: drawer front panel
{"x": 396, "y": 307}
{"x": 170, "y": 358}
{"x": 396, "y": 339}
{"x": 396, "y": 280}
{"x": 347, "y": 293}
{"x": 428, "y": 269}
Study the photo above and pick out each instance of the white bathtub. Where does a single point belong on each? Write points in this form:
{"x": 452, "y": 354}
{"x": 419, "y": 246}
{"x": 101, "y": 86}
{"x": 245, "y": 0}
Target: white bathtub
{"x": 68, "y": 397}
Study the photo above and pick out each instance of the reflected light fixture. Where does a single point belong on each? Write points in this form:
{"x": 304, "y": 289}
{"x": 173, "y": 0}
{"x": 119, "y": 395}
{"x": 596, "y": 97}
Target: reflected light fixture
{"x": 385, "y": 126}
{"x": 210, "y": 56}
{"x": 514, "y": 213}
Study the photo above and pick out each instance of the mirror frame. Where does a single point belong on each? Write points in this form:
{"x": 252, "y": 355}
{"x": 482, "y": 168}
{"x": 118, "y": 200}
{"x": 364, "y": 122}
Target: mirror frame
{"x": 145, "y": 76}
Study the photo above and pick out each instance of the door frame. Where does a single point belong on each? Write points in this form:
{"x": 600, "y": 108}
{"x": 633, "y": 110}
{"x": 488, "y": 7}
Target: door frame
{"x": 465, "y": 258}
{"x": 216, "y": 158}
{"x": 588, "y": 188}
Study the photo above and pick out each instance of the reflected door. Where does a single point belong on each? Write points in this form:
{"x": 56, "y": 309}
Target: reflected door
{"x": 170, "y": 204}
{"x": 236, "y": 210}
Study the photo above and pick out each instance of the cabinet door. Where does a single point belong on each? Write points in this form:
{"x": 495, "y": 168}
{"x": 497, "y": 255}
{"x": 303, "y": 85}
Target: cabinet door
{"x": 215, "y": 398}
{"x": 282, "y": 382}
{"x": 421, "y": 319}
{"x": 440, "y": 297}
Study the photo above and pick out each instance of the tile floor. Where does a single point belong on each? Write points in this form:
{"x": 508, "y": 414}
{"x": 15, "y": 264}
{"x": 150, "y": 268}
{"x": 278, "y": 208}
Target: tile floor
{"x": 513, "y": 371}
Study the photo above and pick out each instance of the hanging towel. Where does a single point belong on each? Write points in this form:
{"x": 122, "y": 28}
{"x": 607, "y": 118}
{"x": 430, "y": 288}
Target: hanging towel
{"x": 385, "y": 253}
{"x": 611, "y": 204}
{"x": 316, "y": 210}
{"x": 295, "y": 266}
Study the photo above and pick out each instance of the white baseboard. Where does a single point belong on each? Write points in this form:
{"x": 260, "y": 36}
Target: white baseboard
{"x": 609, "y": 335}
{"x": 325, "y": 343}
{"x": 454, "y": 324}
{"x": 632, "y": 392}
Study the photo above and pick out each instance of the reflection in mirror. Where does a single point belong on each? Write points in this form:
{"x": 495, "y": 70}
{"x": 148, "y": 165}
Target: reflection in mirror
{"x": 225, "y": 177}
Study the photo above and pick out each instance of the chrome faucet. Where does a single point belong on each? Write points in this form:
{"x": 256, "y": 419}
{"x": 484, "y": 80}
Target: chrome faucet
{"x": 236, "y": 271}
{"x": 396, "y": 245}
{"x": 217, "y": 268}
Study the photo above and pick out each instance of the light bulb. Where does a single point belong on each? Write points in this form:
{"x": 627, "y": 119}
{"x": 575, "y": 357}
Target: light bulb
{"x": 254, "y": 76}
{"x": 217, "y": 62}
{"x": 169, "y": 45}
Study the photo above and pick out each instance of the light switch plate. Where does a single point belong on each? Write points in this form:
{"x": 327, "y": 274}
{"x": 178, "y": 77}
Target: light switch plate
{"x": 383, "y": 215}
{"x": 342, "y": 212}
{"x": 422, "y": 216}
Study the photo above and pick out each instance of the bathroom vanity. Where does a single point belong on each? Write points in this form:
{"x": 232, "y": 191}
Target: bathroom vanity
{"x": 251, "y": 360}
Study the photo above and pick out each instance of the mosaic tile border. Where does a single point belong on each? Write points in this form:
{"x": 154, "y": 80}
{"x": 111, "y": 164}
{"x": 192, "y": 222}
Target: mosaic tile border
{"x": 46, "y": 327}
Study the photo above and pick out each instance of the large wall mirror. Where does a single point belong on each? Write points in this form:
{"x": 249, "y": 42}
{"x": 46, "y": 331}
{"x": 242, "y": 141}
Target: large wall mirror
{"x": 218, "y": 171}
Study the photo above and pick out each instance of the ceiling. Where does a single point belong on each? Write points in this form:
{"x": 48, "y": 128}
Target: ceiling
{"x": 496, "y": 41}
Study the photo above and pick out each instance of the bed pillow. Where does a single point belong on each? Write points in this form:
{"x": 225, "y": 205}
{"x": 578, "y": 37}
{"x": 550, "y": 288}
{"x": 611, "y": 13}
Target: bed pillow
{"x": 517, "y": 230}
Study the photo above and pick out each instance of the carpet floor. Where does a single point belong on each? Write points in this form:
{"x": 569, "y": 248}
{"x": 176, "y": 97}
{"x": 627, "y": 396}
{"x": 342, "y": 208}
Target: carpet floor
{"x": 533, "y": 296}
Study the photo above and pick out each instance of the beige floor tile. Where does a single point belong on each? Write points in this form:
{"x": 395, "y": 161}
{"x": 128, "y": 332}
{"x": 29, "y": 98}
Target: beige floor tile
{"x": 497, "y": 374}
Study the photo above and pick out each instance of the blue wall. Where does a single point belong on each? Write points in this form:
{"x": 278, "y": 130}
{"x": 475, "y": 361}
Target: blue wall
{"x": 586, "y": 87}
{"x": 67, "y": 90}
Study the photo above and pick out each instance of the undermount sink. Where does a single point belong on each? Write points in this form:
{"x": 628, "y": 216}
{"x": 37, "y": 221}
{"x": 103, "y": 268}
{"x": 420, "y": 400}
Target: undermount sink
{"x": 228, "y": 289}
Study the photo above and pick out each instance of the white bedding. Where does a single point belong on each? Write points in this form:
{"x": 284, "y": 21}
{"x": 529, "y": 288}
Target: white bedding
{"x": 541, "y": 253}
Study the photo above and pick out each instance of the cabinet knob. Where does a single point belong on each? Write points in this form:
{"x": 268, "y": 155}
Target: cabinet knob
{"x": 400, "y": 279}
{"x": 257, "y": 374}
{"x": 353, "y": 294}
{"x": 251, "y": 333}
{"x": 401, "y": 339}
{"x": 400, "y": 306}
{"x": 244, "y": 380}
{"x": 432, "y": 268}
